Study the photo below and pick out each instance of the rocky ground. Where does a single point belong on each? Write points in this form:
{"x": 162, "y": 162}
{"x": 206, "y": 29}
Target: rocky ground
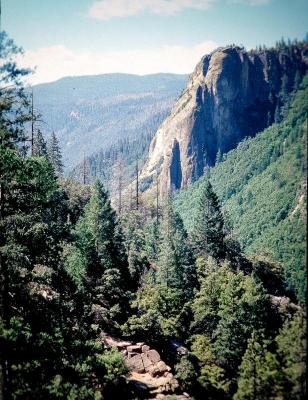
{"x": 149, "y": 374}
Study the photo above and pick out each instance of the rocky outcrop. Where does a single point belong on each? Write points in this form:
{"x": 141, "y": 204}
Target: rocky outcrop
{"x": 233, "y": 93}
{"x": 148, "y": 374}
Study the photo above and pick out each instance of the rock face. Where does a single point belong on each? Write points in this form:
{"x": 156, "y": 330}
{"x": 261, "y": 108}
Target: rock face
{"x": 231, "y": 94}
{"x": 148, "y": 373}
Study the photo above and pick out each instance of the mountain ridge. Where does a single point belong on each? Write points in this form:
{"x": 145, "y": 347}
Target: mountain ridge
{"x": 232, "y": 93}
{"x": 88, "y": 113}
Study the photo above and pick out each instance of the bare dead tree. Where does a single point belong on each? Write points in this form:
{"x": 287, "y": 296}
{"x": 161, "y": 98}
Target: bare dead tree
{"x": 137, "y": 186}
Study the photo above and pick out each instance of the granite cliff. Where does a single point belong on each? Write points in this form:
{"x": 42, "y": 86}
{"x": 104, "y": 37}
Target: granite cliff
{"x": 232, "y": 94}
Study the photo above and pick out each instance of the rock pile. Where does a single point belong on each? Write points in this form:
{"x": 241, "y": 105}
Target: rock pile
{"x": 147, "y": 371}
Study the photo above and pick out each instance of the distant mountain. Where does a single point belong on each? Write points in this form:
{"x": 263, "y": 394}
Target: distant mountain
{"x": 90, "y": 113}
{"x": 232, "y": 94}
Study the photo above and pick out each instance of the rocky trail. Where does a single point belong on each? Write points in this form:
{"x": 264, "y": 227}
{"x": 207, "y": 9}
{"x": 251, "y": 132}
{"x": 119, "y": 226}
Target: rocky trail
{"x": 148, "y": 374}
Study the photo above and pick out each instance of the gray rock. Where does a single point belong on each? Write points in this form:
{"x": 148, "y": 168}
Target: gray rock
{"x": 134, "y": 348}
{"x": 136, "y": 364}
{"x": 146, "y": 361}
{"x": 162, "y": 366}
{"x": 153, "y": 355}
{"x": 145, "y": 348}
{"x": 230, "y": 95}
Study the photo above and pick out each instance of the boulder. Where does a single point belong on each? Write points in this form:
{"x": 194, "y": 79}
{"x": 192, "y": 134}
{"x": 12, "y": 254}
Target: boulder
{"x": 135, "y": 364}
{"x": 147, "y": 363}
{"x": 145, "y": 348}
{"x": 115, "y": 343}
{"x": 154, "y": 371}
{"x": 162, "y": 367}
{"x": 130, "y": 355}
{"x": 153, "y": 355}
{"x": 134, "y": 349}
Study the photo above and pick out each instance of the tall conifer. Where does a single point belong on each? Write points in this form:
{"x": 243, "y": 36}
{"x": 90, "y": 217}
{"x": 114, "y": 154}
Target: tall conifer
{"x": 54, "y": 154}
{"x": 208, "y": 233}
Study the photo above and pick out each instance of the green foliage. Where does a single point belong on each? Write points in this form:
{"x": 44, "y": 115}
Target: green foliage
{"x": 176, "y": 264}
{"x": 49, "y": 344}
{"x": 259, "y": 373}
{"x": 71, "y": 271}
{"x": 208, "y": 231}
{"x": 54, "y": 154}
{"x": 211, "y": 375}
{"x": 261, "y": 185}
{"x": 227, "y": 309}
{"x": 39, "y": 145}
{"x": 157, "y": 313}
{"x": 292, "y": 352}
{"x": 98, "y": 262}
{"x": 135, "y": 244}
{"x": 79, "y": 195}
{"x": 186, "y": 373}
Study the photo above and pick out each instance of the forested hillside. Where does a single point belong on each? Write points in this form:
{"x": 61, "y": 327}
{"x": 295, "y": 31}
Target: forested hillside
{"x": 77, "y": 277}
{"x": 232, "y": 93}
{"x": 118, "y": 161}
{"x": 262, "y": 185}
{"x": 90, "y": 113}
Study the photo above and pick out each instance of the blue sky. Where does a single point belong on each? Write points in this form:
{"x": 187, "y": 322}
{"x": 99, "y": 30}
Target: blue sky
{"x": 75, "y": 37}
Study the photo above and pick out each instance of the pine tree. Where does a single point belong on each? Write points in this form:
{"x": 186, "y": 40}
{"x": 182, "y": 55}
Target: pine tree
{"x": 40, "y": 145}
{"x": 259, "y": 373}
{"x": 218, "y": 157}
{"x": 292, "y": 351}
{"x": 208, "y": 233}
{"x": 175, "y": 261}
{"x": 135, "y": 246}
{"x": 277, "y": 115}
{"x": 99, "y": 247}
{"x": 228, "y": 308}
{"x": 297, "y": 80}
{"x": 54, "y": 154}
{"x": 14, "y": 101}
{"x": 285, "y": 88}
{"x": 243, "y": 308}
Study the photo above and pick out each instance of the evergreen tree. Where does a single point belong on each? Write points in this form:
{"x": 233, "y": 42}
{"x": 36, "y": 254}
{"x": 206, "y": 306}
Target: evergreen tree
{"x": 14, "y": 102}
{"x": 176, "y": 264}
{"x": 135, "y": 246}
{"x": 208, "y": 233}
{"x": 40, "y": 145}
{"x": 211, "y": 376}
{"x": 54, "y": 154}
{"x": 297, "y": 80}
{"x": 243, "y": 308}
{"x": 218, "y": 157}
{"x": 277, "y": 115}
{"x": 99, "y": 248}
{"x": 259, "y": 373}
{"x": 292, "y": 352}
{"x": 285, "y": 87}
{"x": 48, "y": 348}
{"x": 228, "y": 308}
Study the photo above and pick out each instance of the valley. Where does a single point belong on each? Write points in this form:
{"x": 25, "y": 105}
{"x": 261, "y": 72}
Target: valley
{"x": 153, "y": 227}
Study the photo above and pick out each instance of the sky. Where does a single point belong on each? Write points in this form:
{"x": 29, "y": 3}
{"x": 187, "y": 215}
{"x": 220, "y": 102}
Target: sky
{"x": 81, "y": 37}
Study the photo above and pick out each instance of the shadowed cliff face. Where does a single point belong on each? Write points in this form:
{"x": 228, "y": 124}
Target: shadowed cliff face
{"x": 231, "y": 94}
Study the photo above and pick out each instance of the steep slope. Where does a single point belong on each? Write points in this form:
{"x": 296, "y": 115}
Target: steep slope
{"x": 92, "y": 112}
{"x": 262, "y": 185}
{"x": 231, "y": 94}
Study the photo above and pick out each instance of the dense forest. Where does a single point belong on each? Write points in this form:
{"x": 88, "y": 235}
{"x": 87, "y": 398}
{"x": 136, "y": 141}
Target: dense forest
{"x": 215, "y": 269}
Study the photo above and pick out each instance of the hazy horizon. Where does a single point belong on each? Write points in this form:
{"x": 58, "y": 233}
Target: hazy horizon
{"x": 141, "y": 37}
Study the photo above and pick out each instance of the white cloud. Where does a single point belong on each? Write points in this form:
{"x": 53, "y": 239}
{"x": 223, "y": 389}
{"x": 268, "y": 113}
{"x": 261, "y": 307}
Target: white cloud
{"x": 106, "y": 9}
{"x": 250, "y": 2}
{"x": 58, "y": 61}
